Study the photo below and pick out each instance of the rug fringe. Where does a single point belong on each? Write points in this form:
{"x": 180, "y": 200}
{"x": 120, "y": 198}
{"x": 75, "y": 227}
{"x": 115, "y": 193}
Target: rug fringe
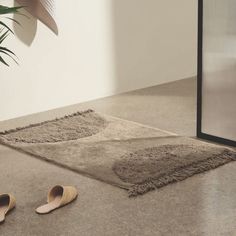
{"x": 45, "y": 122}
{"x": 152, "y": 184}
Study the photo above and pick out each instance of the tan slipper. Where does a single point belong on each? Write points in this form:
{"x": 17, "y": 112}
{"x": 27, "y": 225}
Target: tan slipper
{"x": 7, "y": 202}
{"x": 58, "y": 196}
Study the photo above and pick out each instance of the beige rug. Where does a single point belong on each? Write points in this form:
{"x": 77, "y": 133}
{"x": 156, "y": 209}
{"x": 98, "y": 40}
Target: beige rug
{"x": 123, "y": 153}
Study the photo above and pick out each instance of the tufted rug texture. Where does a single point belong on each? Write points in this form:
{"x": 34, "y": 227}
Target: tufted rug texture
{"x": 126, "y": 154}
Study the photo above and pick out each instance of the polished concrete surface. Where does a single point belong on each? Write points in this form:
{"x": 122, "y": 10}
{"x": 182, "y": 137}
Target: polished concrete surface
{"x": 202, "y": 205}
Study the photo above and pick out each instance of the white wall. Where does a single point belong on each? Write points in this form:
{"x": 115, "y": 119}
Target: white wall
{"x": 104, "y": 47}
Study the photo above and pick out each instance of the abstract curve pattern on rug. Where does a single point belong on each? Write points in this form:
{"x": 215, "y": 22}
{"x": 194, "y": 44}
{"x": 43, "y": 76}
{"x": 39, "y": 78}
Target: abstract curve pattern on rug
{"x": 154, "y": 167}
{"x": 126, "y": 154}
{"x": 72, "y": 127}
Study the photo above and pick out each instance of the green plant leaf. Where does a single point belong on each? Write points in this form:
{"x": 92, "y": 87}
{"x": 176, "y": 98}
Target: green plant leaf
{"x": 8, "y": 54}
{"x": 1, "y": 60}
{"x": 5, "y": 30}
{"x": 4, "y": 36}
{"x": 6, "y": 26}
{"x": 6, "y": 49}
{"x": 8, "y": 10}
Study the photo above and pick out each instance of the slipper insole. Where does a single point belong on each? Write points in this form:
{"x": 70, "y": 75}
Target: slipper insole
{"x": 49, "y": 206}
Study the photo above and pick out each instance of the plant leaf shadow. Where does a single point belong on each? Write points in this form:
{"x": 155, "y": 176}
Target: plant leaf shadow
{"x": 27, "y": 29}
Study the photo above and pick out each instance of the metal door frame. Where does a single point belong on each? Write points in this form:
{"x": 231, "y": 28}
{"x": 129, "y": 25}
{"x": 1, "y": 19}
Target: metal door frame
{"x": 200, "y": 134}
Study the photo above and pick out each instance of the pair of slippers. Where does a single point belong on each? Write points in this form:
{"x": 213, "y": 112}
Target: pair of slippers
{"x": 57, "y": 197}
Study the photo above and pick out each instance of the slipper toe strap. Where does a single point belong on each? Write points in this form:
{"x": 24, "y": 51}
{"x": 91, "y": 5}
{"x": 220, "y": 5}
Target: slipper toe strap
{"x": 12, "y": 203}
{"x": 69, "y": 194}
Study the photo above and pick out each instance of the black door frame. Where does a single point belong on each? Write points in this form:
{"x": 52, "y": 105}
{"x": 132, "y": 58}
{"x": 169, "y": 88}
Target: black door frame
{"x": 200, "y": 134}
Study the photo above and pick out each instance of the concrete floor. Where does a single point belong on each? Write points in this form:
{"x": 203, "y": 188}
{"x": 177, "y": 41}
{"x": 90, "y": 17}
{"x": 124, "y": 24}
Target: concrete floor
{"x": 202, "y": 205}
